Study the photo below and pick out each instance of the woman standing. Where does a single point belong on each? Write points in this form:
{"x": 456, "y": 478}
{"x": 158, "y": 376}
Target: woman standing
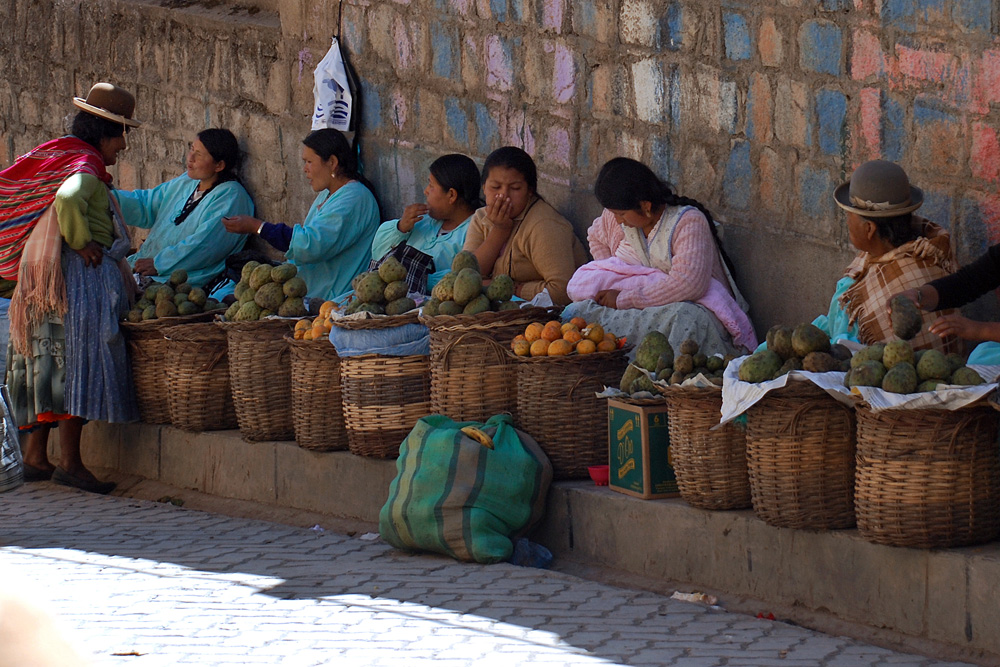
{"x": 64, "y": 240}
{"x": 185, "y": 214}
{"x": 334, "y": 243}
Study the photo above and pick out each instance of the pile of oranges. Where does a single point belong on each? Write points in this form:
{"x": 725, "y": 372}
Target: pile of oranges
{"x": 556, "y": 339}
{"x": 318, "y": 328}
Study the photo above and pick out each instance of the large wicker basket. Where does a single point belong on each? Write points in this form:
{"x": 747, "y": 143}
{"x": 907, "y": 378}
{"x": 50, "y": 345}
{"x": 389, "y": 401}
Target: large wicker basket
{"x": 472, "y": 375}
{"x": 260, "y": 374}
{"x": 928, "y": 478}
{"x": 198, "y": 389}
{"x": 710, "y": 465}
{"x": 317, "y": 410}
{"x": 383, "y": 398}
{"x": 147, "y": 351}
{"x": 558, "y": 406}
{"x": 800, "y": 458}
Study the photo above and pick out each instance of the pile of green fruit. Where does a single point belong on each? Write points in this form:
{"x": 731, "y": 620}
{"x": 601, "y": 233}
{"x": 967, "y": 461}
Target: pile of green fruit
{"x": 381, "y": 292}
{"x": 656, "y": 355}
{"x": 171, "y": 299}
{"x": 266, "y": 290}
{"x": 895, "y": 367}
{"x": 804, "y": 348}
{"x": 461, "y": 292}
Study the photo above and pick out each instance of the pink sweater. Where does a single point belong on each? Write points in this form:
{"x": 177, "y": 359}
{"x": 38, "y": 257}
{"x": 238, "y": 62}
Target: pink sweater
{"x": 694, "y": 263}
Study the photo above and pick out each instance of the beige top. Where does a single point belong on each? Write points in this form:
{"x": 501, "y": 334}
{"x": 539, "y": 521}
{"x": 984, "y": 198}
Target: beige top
{"x": 543, "y": 252}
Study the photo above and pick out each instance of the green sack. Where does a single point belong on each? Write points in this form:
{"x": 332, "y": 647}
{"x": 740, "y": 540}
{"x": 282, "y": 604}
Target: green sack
{"x": 455, "y": 496}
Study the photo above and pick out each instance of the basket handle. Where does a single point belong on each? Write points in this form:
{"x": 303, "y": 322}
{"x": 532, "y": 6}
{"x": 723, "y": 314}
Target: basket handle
{"x": 136, "y": 350}
{"x": 791, "y": 427}
{"x": 961, "y": 426}
{"x": 214, "y": 361}
{"x": 495, "y": 347}
{"x": 576, "y": 385}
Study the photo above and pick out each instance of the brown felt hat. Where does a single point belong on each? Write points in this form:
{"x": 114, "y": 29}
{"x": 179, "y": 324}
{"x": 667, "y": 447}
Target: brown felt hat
{"x": 110, "y": 103}
{"x": 879, "y": 189}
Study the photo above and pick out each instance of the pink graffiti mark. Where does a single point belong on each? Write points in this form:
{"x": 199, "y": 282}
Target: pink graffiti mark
{"x": 915, "y": 67}
{"x": 987, "y": 88}
{"x": 558, "y": 147}
{"x": 499, "y": 72}
{"x": 985, "y": 161}
{"x": 305, "y": 58}
{"x": 404, "y": 46}
{"x": 563, "y": 79}
{"x": 989, "y": 209}
{"x": 870, "y": 122}
{"x": 552, "y": 15}
{"x": 867, "y": 57}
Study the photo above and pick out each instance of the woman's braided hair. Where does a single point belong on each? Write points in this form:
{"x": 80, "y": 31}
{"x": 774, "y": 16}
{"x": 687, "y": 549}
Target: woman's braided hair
{"x": 623, "y": 183}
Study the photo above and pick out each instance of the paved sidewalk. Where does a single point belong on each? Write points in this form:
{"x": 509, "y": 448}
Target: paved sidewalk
{"x": 161, "y": 585}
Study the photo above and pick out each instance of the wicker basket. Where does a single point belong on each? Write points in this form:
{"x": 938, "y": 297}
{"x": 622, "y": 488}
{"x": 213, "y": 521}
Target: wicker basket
{"x": 198, "y": 390}
{"x": 261, "y": 378}
{"x": 377, "y": 321}
{"x": 711, "y": 466}
{"x": 928, "y": 478}
{"x": 800, "y": 457}
{"x": 472, "y": 376}
{"x": 383, "y": 398}
{"x": 317, "y": 412}
{"x": 147, "y": 350}
{"x": 558, "y": 406}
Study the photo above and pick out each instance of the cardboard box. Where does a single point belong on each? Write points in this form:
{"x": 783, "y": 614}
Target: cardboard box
{"x": 639, "y": 442}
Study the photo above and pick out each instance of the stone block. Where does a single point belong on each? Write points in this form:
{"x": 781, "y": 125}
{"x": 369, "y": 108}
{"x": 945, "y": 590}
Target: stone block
{"x": 497, "y": 10}
{"x": 240, "y": 469}
{"x": 937, "y": 207}
{"x": 939, "y": 137}
{"x": 551, "y": 15}
{"x": 429, "y": 104}
{"x": 867, "y": 56}
{"x": 770, "y": 43}
{"x": 446, "y": 56}
{"x": 670, "y": 35}
{"x": 353, "y": 35}
{"x": 472, "y": 62}
{"x": 371, "y": 106}
{"x": 650, "y": 87}
{"x": 100, "y": 445}
{"x": 947, "y": 612}
{"x": 737, "y": 181}
{"x": 699, "y": 174}
{"x": 815, "y": 186}
{"x": 736, "y": 36}
{"x": 380, "y": 22}
{"x": 557, "y": 148}
{"x": 760, "y": 108}
{"x": 139, "y": 450}
{"x": 831, "y": 111}
{"x": 984, "y": 588}
{"x": 661, "y": 157}
{"x": 985, "y": 163}
{"x": 638, "y": 24}
{"x": 775, "y": 173}
{"x": 487, "y": 130}
{"x": 820, "y": 47}
{"x": 277, "y": 97}
{"x": 791, "y": 104}
{"x": 457, "y": 120}
{"x": 946, "y": 69}
{"x": 866, "y": 133}
{"x": 895, "y": 142}
{"x": 563, "y": 73}
{"x": 595, "y": 19}
{"x": 184, "y": 457}
{"x": 499, "y": 64}
{"x": 973, "y": 15}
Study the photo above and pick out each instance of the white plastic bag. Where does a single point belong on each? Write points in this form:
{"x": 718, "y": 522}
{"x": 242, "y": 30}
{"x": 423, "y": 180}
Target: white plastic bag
{"x": 333, "y": 92}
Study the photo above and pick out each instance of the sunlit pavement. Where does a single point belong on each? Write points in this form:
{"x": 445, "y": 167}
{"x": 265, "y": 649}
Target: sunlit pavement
{"x": 142, "y": 583}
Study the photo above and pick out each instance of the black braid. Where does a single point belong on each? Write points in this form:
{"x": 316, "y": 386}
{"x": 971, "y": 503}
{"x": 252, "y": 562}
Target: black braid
{"x": 676, "y": 200}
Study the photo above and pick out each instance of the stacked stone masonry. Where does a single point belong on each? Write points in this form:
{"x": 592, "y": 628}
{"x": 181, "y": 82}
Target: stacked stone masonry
{"x": 758, "y": 109}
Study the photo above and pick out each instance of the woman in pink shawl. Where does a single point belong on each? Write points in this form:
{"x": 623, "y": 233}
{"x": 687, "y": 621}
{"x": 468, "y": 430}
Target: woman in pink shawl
{"x": 658, "y": 265}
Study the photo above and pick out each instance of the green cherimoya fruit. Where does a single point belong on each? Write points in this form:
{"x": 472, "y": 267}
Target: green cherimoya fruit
{"x": 631, "y": 374}
{"x": 760, "y": 366}
{"x": 197, "y": 296}
{"x": 248, "y": 312}
{"x": 468, "y": 285}
{"x": 445, "y": 287}
{"x": 840, "y": 352}
{"x": 292, "y": 307}
{"x": 247, "y": 296}
{"x": 144, "y": 303}
{"x": 184, "y": 288}
{"x": 231, "y": 312}
{"x": 391, "y": 271}
{"x": 150, "y": 293}
{"x": 700, "y": 360}
{"x": 265, "y": 313}
{"x": 241, "y": 286}
{"x": 905, "y": 317}
{"x": 792, "y": 363}
{"x": 464, "y": 260}
{"x": 371, "y": 288}
{"x": 870, "y": 353}
{"x": 819, "y": 362}
{"x": 248, "y": 270}
{"x": 188, "y": 308}
{"x": 283, "y": 272}
{"x": 867, "y": 374}
{"x": 808, "y": 338}
{"x": 149, "y": 313}
{"x": 955, "y": 360}
{"x": 688, "y": 346}
{"x": 356, "y": 280}
{"x": 260, "y": 276}
{"x": 933, "y": 365}
{"x": 664, "y": 363}
{"x": 373, "y": 308}
{"x": 180, "y": 298}
{"x": 164, "y": 293}
{"x": 213, "y": 304}
{"x": 178, "y": 277}
{"x": 929, "y": 385}
{"x": 684, "y": 363}
{"x": 478, "y": 305}
{"x": 901, "y": 378}
{"x": 294, "y": 288}
{"x": 779, "y": 339}
{"x": 651, "y": 348}
{"x": 166, "y": 308}
{"x": 269, "y": 296}
{"x": 509, "y": 305}
{"x": 134, "y": 315}
{"x": 430, "y": 307}
{"x": 352, "y": 307}
{"x": 714, "y": 364}
{"x": 965, "y": 376}
{"x": 394, "y": 290}
{"x": 449, "y": 308}
{"x": 897, "y": 352}
{"x": 642, "y": 383}
{"x": 501, "y": 288}
{"x": 399, "y": 306}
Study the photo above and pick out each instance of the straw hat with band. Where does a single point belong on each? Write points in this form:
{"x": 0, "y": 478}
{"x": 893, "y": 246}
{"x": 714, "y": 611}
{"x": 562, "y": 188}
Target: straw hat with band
{"x": 109, "y": 102}
{"x": 879, "y": 189}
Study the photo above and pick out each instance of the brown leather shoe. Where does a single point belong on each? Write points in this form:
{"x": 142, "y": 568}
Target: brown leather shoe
{"x": 64, "y": 477}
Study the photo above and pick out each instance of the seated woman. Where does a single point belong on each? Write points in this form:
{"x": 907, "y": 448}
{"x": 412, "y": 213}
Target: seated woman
{"x": 897, "y": 251}
{"x": 334, "y": 243}
{"x": 427, "y": 237}
{"x": 658, "y": 265}
{"x": 185, "y": 214}
{"x": 518, "y": 234}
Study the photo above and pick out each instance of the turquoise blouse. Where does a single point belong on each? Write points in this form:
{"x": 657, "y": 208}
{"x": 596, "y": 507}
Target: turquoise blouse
{"x": 426, "y": 238}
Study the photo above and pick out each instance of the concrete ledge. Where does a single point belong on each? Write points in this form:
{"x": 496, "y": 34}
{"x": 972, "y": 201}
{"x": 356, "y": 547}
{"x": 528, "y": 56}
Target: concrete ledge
{"x": 946, "y": 596}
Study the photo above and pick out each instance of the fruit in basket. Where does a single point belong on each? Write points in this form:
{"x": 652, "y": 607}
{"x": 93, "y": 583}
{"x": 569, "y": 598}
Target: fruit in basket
{"x": 449, "y": 308}
{"x": 464, "y": 260}
{"x": 371, "y": 288}
{"x": 184, "y": 288}
{"x": 715, "y": 364}
{"x": 247, "y": 296}
{"x": 430, "y": 307}
{"x": 955, "y": 360}
{"x": 164, "y": 293}
{"x": 779, "y": 339}
{"x": 905, "y": 317}
{"x": 468, "y": 285}
{"x": 631, "y": 374}
{"x": 178, "y": 277}
{"x": 759, "y": 367}
{"x": 819, "y": 362}
{"x": 260, "y": 276}
{"x": 500, "y": 288}
{"x": 586, "y": 347}
{"x": 231, "y": 312}
{"x": 149, "y": 313}
{"x": 870, "y": 353}
{"x": 808, "y": 338}
{"x": 283, "y": 272}
{"x": 929, "y": 385}
{"x": 506, "y": 305}
{"x": 394, "y": 290}
{"x": 642, "y": 383}
{"x": 552, "y": 331}
{"x": 559, "y": 348}
{"x": 521, "y": 348}
{"x": 840, "y": 352}
{"x": 896, "y": 352}
{"x": 478, "y": 305}
{"x": 790, "y": 364}
{"x": 391, "y": 271}
{"x": 134, "y": 315}
{"x": 901, "y": 379}
{"x": 294, "y": 288}
{"x": 248, "y": 270}
{"x": 248, "y": 312}
{"x": 400, "y": 306}
{"x": 188, "y": 308}
{"x": 966, "y": 376}
{"x": 539, "y": 348}
{"x": 653, "y": 346}
{"x": 443, "y": 291}
{"x": 180, "y": 298}
{"x": 594, "y": 332}
{"x": 933, "y": 365}
{"x": 684, "y": 363}
{"x": 866, "y": 374}
{"x": 269, "y": 296}
{"x": 688, "y": 346}
{"x": 292, "y": 307}
{"x": 166, "y": 308}
{"x": 197, "y": 296}
{"x": 373, "y": 308}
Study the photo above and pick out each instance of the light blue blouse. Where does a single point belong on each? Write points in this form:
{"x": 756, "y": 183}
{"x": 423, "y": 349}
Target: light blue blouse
{"x": 426, "y": 238}
{"x": 200, "y": 244}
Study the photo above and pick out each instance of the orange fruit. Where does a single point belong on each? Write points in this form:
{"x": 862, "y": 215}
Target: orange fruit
{"x": 324, "y": 310}
{"x": 606, "y": 346}
{"x": 308, "y": 334}
{"x": 540, "y": 348}
{"x": 579, "y": 322}
{"x": 560, "y": 348}
{"x": 302, "y": 325}
{"x": 586, "y": 347}
{"x": 573, "y": 336}
{"x": 594, "y": 332}
{"x": 533, "y": 332}
{"x": 299, "y": 333}
{"x": 552, "y": 332}
{"x": 611, "y": 337}
{"x": 522, "y": 348}
{"x": 517, "y": 338}
{"x": 569, "y": 326}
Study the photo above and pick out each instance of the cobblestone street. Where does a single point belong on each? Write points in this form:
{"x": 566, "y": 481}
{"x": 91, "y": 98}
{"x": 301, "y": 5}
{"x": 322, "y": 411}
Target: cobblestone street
{"x": 142, "y": 583}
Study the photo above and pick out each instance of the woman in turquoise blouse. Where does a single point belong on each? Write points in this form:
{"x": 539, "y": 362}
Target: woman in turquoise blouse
{"x": 185, "y": 213}
{"x": 437, "y": 228}
{"x": 334, "y": 243}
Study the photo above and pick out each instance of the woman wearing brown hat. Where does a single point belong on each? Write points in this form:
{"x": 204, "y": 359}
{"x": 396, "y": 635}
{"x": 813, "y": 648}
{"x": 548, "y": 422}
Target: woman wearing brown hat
{"x": 897, "y": 250}
{"x": 62, "y": 238}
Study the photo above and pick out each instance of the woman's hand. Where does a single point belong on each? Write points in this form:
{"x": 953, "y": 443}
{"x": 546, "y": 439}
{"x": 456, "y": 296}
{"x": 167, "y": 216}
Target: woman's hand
{"x": 960, "y": 326}
{"x": 92, "y": 253}
{"x": 241, "y": 224}
{"x": 145, "y": 267}
{"x": 411, "y": 214}
{"x": 498, "y": 213}
{"x": 608, "y": 298}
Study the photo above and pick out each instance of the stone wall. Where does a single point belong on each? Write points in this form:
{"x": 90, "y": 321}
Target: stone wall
{"x": 758, "y": 109}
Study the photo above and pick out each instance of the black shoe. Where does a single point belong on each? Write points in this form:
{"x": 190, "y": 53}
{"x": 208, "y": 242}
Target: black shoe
{"x": 33, "y": 474}
{"x": 60, "y": 476}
